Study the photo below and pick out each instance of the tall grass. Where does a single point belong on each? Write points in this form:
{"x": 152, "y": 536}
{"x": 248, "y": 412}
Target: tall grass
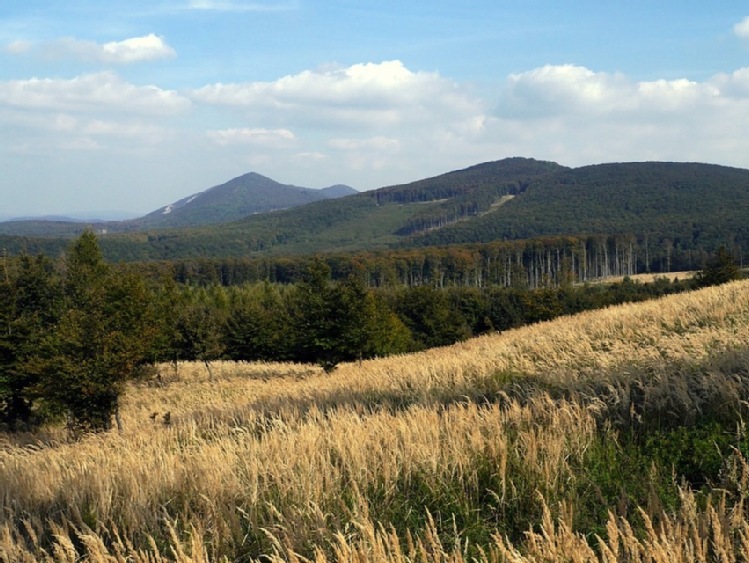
{"x": 614, "y": 435}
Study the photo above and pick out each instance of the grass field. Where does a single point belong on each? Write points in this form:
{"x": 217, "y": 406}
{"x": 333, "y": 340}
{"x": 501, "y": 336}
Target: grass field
{"x": 615, "y": 435}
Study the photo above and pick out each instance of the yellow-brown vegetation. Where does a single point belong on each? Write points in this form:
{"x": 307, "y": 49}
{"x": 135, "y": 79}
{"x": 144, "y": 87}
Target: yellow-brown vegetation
{"x": 292, "y": 463}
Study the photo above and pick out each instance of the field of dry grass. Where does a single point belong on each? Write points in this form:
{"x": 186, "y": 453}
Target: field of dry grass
{"x": 490, "y": 449}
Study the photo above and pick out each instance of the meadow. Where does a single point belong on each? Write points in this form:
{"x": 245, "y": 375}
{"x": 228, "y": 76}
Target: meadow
{"x": 613, "y": 435}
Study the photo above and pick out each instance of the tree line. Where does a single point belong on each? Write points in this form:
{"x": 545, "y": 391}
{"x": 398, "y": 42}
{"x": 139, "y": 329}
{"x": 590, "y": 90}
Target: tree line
{"x": 75, "y": 331}
{"x": 528, "y": 264}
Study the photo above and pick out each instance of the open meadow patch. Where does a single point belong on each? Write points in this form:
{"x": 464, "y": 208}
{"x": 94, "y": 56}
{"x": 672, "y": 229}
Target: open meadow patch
{"x": 613, "y": 435}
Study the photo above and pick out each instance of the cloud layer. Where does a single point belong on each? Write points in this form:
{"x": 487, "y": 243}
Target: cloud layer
{"x": 367, "y": 124}
{"x": 135, "y": 49}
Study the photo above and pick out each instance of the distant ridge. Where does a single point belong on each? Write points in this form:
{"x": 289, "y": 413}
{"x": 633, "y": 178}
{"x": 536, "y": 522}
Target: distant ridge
{"x": 249, "y": 194}
{"x": 690, "y": 208}
{"x": 245, "y": 195}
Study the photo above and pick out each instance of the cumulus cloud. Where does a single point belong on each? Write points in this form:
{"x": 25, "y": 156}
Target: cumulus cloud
{"x": 551, "y": 90}
{"x": 275, "y": 138}
{"x": 147, "y": 48}
{"x": 741, "y": 29}
{"x": 135, "y": 49}
{"x": 574, "y": 90}
{"x": 370, "y": 94}
{"x": 88, "y": 112}
{"x": 385, "y": 117}
{"x": 576, "y": 115}
{"x": 103, "y": 91}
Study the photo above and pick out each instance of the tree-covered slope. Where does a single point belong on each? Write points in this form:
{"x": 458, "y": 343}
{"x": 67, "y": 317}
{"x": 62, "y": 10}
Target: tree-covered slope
{"x": 696, "y": 204}
{"x": 684, "y": 205}
{"x": 245, "y": 195}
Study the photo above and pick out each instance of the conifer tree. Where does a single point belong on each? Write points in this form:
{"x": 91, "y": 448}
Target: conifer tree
{"x": 29, "y": 305}
{"x": 720, "y": 269}
{"x": 99, "y": 342}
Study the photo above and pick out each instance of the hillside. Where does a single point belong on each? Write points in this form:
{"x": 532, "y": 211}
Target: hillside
{"x": 511, "y": 199}
{"x": 614, "y": 435}
{"x": 662, "y": 208}
{"x": 368, "y": 220}
{"x": 694, "y": 204}
{"x": 249, "y": 194}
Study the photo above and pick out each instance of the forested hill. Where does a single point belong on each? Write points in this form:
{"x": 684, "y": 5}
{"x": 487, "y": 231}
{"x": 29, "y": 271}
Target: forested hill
{"x": 245, "y": 195}
{"x": 502, "y": 177}
{"x": 684, "y": 206}
{"x": 694, "y": 205}
{"x": 240, "y": 197}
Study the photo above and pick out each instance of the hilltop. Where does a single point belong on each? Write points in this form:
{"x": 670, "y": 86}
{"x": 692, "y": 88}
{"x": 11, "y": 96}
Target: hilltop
{"x": 245, "y": 195}
{"x": 249, "y": 194}
{"x": 661, "y": 207}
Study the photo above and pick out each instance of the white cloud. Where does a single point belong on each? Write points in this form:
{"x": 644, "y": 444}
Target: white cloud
{"x": 575, "y": 115}
{"x": 574, "y": 90}
{"x": 367, "y": 125}
{"x": 395, "y": 124}
{"x": 375, "y": 95}
{"x": 553, "y": 89}
{"x": 147, "y": 48}
{"x": 79, "y": 144}
{"x": 135, "y": 49}
{"x": 310, "y": 156}
{"x": 89, "y": 112}
{"x": 275, "y": 138}
{"x": 103, "y": 91}
{"x": 741, "y": 29}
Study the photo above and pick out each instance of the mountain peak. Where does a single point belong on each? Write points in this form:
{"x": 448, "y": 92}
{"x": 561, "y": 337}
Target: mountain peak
{"x": 248, "y": 194}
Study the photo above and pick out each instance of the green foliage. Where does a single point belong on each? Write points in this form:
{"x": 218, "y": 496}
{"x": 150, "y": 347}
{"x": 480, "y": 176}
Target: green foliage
{"x": 331, "y": 322}
{"x": 74, "y": 338}
{"x": 101, "y": 338}
{"x": 30, "y": 300}
{"x": 199, "y": 331}
{"x": 720, "y": 269}
{"x": 257, "y": 325}
{"x": 427, "y": 313}
{"x": 674, "y": 213}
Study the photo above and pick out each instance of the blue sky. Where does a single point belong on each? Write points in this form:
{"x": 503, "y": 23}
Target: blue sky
{"x": 132, "y": 105}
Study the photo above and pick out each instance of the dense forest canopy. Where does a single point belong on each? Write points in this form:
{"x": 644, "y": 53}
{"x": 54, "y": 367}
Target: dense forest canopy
{"x": 673, "y": 216}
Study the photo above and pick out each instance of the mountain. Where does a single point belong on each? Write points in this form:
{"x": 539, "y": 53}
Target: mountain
{"x": 692, "y": 204}
{"x": 245, "y": 195}
{"x": 338, "y": 190}
{"x": 249, "y": 194}
{"x": 689, "y": 207}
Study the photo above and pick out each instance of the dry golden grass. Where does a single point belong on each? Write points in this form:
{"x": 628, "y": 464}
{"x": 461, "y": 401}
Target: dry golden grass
{"x": 650, "y": 278}
{"x": 286, "y": 459}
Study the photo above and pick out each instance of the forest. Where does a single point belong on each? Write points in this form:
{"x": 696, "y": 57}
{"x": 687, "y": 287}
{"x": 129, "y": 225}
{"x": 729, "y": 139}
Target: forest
{"x": 618, "y": 218}
{"x": 74, "y": 331}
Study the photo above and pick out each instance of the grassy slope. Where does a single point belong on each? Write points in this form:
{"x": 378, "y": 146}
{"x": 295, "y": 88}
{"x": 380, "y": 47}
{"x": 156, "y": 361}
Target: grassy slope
{"x": 496, "y": 435}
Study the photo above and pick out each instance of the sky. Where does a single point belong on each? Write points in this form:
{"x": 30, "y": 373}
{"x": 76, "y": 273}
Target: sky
{"x": 129, "y": 106}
